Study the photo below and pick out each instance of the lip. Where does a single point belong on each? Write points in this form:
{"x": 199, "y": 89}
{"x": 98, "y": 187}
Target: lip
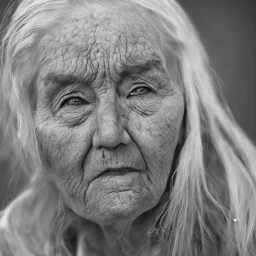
{"x": 118, "y": 171}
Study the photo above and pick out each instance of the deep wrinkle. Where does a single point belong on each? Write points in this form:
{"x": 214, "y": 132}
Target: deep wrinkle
{"x": 58, "y": 81}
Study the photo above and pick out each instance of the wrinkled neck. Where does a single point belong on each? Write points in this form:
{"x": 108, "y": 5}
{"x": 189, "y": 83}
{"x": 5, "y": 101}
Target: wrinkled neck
{"x": 135, "y": 238}
{"x": 129, "y": 238}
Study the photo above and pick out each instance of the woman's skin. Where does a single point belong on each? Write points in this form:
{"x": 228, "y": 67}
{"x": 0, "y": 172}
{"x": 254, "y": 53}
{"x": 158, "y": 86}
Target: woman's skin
{"x": 109, "y": 118}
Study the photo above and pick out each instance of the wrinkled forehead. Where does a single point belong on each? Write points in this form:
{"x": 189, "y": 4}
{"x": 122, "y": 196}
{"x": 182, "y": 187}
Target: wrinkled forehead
{"x": 99, "y": 40}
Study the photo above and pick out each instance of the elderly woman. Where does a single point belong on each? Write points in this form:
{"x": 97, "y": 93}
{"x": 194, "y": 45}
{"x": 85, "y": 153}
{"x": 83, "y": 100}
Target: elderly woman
{"x": 128, "y": 150}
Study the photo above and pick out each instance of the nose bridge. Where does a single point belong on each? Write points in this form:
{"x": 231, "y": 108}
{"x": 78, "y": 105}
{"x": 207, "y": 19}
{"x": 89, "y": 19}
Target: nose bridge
{"x": 109, "y": 131}
{"x": 108, "y": 115}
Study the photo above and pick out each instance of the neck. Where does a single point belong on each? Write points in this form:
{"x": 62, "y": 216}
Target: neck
{"x": 122, "y": 238}
{"x": 129, "y": 238}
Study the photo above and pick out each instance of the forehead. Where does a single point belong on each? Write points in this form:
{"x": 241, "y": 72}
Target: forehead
{"x": 98, "y": 41}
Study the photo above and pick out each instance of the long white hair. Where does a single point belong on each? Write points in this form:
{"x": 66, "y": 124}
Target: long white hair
{"x": 212, "y": 202}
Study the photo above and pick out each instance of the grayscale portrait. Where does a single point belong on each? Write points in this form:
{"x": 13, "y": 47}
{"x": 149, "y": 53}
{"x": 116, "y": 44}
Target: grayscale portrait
{"x": 112, "y": 111}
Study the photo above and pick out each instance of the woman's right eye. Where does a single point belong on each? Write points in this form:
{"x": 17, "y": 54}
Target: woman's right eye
{"x": 74, "y": 101}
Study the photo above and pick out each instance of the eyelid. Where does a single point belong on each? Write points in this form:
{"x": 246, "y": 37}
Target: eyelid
{"x": 143, "y": 84}
{"x": 60, "y": 100}
{"x": 65, "y": 101}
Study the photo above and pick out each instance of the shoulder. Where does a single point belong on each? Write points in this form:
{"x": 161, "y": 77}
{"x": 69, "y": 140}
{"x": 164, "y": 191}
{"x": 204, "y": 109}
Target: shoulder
{"x": 20, "y": 225}
{"x": 26, "y": 224}
{"x": 5, "y": 248}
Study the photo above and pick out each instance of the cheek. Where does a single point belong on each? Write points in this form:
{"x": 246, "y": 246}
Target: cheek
{"x": 64, "y": 148}
{"x": 65, "y": 151}
{"x": 157, "y": 137}
{"x": 56, "y": 144}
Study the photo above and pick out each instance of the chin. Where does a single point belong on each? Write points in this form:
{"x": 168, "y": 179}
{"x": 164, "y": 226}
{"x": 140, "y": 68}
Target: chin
{"x": 115, "y": 207}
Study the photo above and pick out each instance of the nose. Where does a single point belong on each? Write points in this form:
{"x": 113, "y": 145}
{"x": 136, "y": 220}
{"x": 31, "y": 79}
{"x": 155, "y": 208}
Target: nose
{"x": 109, "y": 132}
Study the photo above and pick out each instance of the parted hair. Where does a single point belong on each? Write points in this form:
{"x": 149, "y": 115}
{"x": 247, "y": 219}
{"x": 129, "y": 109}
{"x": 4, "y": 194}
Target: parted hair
{"x": 212, "y": 193}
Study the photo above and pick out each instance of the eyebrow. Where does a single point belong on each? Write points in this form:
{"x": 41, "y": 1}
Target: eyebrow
{"x": 131, "y": 69}
{"x": 127, "y": 70}
{"x": 63, "y": 80}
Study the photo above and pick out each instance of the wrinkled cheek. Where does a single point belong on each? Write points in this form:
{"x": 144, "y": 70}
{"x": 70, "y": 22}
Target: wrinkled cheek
{"x": 162, "y": 135}
{"x": 55, "y": 147}
{"x": 62, "y": 155}
{"x": 73, "y": 192}
{"x": 168, "y": 145}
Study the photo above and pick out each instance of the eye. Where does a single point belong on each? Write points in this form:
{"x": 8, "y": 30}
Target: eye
{"x": 74, "y": 101}
{"x": 139, "y": 91}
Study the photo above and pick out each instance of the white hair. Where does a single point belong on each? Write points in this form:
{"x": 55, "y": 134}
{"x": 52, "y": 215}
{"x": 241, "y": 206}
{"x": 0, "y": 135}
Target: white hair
{"x": 215, "y": 176}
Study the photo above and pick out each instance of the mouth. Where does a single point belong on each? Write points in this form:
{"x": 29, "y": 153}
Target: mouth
{"x": 118, "y": 171}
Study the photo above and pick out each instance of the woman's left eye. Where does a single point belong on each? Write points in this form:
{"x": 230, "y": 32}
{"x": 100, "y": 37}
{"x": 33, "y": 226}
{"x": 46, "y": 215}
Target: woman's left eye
{"x": 74, "y": 101}
{"x": 139, "y": 91}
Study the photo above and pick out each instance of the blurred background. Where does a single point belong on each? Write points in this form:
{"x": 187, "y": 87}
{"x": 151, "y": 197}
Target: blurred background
{"x": 228, "y": 31}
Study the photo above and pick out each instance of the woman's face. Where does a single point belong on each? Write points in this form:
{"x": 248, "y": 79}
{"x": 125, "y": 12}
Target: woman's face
{"x": 108, "y": 114}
